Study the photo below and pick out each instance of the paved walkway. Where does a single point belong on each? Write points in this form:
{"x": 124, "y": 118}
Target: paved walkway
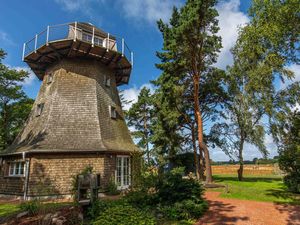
{"x": 223, "y": 211}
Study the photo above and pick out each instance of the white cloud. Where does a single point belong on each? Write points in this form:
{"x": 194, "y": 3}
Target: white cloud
{"x": 148, "y": 10}
{"x": 31, "y": 77}
{"x": 296, "y": 69}
{"x": 86, "y": 7}
{"x": 4, "y": 37}
{"x": 131, "y": 94}
{"x": 230, "y": 18}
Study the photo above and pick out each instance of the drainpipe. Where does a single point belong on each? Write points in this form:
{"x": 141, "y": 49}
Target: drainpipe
{"x": 26, "y": 175}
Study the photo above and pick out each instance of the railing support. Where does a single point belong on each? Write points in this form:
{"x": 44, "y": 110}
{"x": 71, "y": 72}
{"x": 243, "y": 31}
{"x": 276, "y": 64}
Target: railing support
{"x": 93, "y": 37}
{"x": 122, "y": 47}
{"x": 132, "y": 58}
{"x": 23, "y": 55}
{"x": 47, "y": 38}
{"x": 35, "y": 43}
{"x": 107, "y": 43}
{"x": 75, "y": 35}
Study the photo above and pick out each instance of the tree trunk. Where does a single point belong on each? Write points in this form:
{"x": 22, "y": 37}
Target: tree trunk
{"x": 241, "y": 161}
{"x": 5, "y": 126}
{"x": 146, "y": 136}
{"x": 197, "y": 169}
{"x": 199, "y": 121}
{"x": 201, "y": 164}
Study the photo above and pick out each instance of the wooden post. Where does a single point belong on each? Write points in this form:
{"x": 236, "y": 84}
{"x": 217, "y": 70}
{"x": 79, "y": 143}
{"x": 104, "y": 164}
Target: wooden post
{"x": 75, "y": 35}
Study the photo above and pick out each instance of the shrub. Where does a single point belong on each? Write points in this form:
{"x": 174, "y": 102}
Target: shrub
{"x": 112, "y": 188}
{"x": 124, "y": 214}
{"x": 289, "y": 154}
{"x": 172, "y": 188}
{"x": 32, "y": 207}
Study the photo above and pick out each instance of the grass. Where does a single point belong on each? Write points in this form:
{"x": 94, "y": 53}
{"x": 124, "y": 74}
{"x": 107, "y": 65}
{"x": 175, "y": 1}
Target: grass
{"x": 7, "y": 209}
{"x": 258, "y": 188}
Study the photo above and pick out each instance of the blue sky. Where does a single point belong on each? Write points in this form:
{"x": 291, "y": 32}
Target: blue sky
{"x": 135, "y": 20}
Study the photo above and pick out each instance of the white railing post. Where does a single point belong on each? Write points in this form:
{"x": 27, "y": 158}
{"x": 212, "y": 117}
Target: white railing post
{"x": 23, "y": 55}
{"x": 122, "y": 46}
{"x": 35, "y": 43}
{"x": 107, "y": 43}
{"x": 47, "y": 38}
{"x": 93, "y": 37}
{"x": 132, "y": 58}
{"x": 75, "y": 35}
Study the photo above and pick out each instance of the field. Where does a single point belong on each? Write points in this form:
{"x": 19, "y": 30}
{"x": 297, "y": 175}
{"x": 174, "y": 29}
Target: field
{"x": 268, "y": 188}
{"x": 252, "y": 169}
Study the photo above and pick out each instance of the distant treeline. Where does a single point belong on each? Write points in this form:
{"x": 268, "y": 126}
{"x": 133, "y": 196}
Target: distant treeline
{"x": 247, "y": 162}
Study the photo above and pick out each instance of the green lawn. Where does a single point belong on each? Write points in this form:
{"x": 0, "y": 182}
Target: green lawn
{"x": 8, "y": 209}
{"x": 259, "y": 188}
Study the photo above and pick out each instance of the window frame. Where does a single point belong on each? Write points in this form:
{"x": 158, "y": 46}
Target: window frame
{"x": 50, "y": 78}
{"x": 107, "y": 81}
{"x": 39, "y": 109}
{"x": 113, "y": 112}
{"x": 15, "y": 168}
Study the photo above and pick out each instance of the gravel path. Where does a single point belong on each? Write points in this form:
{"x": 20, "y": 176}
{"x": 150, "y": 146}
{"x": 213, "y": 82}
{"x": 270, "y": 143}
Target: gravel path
{"x": 223, "y": 211}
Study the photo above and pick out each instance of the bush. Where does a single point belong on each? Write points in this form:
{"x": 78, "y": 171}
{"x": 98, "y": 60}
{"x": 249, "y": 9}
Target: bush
{"x": 112, "y": 188}
{"x": 171, "y": 195}
{"x": 32, "y": 207}
{"x": 124, "y": 214}
{"x": 289, "y": 155}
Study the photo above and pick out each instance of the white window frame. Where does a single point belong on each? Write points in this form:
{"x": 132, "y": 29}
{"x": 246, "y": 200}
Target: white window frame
{"x": 122, "y": 184}
{"x": 113, "y": 112}
{"x": 49, "y": 78}
{"x": 107, "y": 80}
{"x": 39, "y": 109}
{"x": 15, "y": 168}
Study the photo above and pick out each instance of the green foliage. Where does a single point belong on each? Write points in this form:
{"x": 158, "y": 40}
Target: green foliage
{"x": 112, "y": 188}
{"x": 32, "y": 207}
{"x": 15, "y": 106}
{"x": 289, "y": 157}
{"x": 140, "y": 116}
{"x": 122, "y": 213}
{"x": 171, "y": 195}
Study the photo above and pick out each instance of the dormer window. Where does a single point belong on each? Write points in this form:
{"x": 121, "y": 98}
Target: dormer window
{"x": 39, "y": 109}
{"x": 49, "y": 78}
{"x": 113, "y": 112}
{"x": 107, "y": 81}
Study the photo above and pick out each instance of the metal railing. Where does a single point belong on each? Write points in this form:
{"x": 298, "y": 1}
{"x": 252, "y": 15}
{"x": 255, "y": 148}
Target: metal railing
{"x": 68, "y": 31}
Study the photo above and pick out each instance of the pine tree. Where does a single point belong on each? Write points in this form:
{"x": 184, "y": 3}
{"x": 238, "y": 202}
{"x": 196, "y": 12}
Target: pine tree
{"x": 190, "y": 49}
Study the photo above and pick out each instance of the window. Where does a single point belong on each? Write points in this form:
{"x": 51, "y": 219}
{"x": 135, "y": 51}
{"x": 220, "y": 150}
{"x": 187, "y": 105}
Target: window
{"x": 123, "y": 172}
{"x": 107, "y": 81}
{"x": 88, "y": 38}
{"x": 113, "y": 112}
{"x": 39, "y": 109}
{"x": 16, "y": 168}
{"x": 49, "y": 78}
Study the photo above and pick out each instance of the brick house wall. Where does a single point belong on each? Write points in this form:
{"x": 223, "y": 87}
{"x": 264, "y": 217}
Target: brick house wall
{"x": 10, "y": 185}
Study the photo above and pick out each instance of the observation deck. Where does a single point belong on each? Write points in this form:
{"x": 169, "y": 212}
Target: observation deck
{"x": 78, "y": 40}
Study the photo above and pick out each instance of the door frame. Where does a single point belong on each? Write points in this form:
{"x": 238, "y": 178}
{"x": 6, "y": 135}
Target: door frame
{"x": 123, "y": 186}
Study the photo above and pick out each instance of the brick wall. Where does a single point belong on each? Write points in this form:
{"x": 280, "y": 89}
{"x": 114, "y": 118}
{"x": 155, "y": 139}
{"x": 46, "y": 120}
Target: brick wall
{"x": 10, "y": 185}
{"x": 52, "y": 174}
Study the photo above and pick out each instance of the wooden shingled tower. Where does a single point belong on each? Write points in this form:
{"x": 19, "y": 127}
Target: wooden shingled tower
{"x": 78, "y": 106}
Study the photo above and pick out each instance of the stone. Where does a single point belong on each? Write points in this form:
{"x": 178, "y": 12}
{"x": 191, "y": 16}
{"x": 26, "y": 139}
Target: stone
{"x": 22, "y": 214}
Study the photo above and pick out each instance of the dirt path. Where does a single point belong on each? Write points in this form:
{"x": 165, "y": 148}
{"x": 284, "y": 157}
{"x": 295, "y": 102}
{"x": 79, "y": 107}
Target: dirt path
{"x": 224, "y": 211}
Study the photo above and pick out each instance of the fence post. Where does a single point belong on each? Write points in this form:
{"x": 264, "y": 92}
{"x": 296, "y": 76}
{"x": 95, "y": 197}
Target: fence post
{"x": 122, "y": 46}
{"x": 47, "y": 39}
{"x": 107, "y": 43}
{"x": 75, "y": 35}
{"x": 93, "y": 37}
{"x": 23, "y": 55}
{"x": 35, "y": 43}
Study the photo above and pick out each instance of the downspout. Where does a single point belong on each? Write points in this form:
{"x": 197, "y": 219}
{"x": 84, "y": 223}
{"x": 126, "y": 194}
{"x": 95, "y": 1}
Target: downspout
{"x": 26, "y": 175}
